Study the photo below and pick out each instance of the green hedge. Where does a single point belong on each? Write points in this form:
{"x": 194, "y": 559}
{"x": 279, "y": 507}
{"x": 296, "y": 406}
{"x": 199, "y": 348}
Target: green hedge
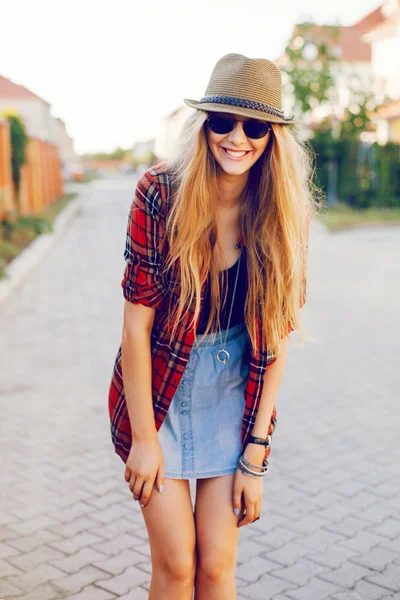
{"x": 368, "y": 175}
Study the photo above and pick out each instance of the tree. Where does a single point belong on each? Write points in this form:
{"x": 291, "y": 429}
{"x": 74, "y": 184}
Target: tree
{"x": 19, "y": 140}
{"x": 310, "y": 53}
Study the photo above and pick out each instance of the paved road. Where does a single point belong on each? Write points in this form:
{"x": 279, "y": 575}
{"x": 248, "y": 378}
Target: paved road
{"x": 330, "y": 526}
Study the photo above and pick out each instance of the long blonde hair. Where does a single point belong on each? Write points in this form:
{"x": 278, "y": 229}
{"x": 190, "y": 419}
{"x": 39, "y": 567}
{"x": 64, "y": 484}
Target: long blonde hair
{"x": 277, "y": 203}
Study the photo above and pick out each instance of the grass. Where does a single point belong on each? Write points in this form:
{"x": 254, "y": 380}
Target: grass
{"x": 17, "y": 234}
{"x": 340, "y": 217}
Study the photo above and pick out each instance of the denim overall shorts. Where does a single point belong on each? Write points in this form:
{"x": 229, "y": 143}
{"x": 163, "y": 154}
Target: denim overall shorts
{"x": 201, "y": 432}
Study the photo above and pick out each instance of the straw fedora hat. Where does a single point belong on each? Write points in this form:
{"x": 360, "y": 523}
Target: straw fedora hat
{"x": 249, "y": 87}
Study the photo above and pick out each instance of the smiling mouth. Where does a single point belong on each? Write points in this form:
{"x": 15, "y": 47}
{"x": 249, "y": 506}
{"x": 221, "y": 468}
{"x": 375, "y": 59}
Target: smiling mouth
{"x": 235, "y": 155}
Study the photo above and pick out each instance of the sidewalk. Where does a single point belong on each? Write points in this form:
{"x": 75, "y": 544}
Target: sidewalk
{"x": 330, "y": 524}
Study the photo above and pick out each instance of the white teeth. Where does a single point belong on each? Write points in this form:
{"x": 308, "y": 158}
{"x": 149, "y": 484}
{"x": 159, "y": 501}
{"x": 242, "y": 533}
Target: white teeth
{"x": 235, "y": 153}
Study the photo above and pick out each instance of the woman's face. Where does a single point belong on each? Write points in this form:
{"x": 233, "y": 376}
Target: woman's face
{"x": 234, "y": 151}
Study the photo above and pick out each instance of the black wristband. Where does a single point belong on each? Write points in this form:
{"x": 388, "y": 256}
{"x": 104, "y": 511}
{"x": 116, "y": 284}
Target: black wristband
{"x": 262, "y": 441}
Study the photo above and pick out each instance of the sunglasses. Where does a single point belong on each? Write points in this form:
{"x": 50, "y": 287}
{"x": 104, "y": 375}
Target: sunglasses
{"x": 252, "y": 128}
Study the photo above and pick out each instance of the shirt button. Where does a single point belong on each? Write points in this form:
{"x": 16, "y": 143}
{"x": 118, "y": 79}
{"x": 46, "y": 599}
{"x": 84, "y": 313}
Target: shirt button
{"x": 184, "y": 403}
{"x": 184, "y": 412}
{"x": 186, "y": 435}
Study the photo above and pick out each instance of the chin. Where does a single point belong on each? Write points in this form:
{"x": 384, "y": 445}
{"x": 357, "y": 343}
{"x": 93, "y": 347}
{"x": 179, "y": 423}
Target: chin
{"x": 234, "y": 169}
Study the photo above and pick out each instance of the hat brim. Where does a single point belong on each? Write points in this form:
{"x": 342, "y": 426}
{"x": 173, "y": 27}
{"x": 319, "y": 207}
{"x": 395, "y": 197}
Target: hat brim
{"x": 237, "y": 110}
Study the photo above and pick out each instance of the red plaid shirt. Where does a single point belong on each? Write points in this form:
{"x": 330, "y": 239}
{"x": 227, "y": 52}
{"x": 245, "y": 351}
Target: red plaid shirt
{"x": 145, "y": 250}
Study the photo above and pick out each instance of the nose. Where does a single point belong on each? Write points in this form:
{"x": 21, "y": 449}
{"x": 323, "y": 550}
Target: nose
{"x": 237, "y": 135}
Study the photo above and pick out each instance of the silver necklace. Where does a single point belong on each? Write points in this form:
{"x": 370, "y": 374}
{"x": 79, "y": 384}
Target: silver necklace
{"x": 223, "y": 355}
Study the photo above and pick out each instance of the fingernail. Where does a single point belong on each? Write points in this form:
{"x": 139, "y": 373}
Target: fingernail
{"x": 161, "y": 488}
{"x": 236, "y": 511}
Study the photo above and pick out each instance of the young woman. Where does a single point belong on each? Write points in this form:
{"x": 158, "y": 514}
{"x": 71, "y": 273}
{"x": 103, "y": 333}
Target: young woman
{"x": 216, "y": 264}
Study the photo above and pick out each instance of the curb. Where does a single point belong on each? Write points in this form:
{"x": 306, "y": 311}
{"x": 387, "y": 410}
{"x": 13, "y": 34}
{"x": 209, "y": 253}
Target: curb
{"x": 32, "y": 255}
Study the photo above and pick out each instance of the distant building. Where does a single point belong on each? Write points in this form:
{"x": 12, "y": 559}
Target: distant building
{"x": 36, "y": 115}
{"x": 369, "y": 61}
{"x": 383, "y": 36}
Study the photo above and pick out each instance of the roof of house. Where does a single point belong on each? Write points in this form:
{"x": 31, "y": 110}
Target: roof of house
{"x": 370, "y": 20}
{"x": 9, "y": 89}
{"x": 353, "y": 48}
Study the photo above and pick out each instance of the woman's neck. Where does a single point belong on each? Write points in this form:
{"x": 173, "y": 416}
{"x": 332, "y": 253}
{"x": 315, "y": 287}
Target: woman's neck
{"x": 230, "y": 189}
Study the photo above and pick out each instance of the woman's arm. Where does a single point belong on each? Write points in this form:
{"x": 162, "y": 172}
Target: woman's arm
{"x": 272, "y": 380}
{"x": 137, "y": 370}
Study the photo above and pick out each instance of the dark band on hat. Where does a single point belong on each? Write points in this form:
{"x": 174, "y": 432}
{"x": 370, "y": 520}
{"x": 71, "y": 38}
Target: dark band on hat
{"x": 252, "y": 104}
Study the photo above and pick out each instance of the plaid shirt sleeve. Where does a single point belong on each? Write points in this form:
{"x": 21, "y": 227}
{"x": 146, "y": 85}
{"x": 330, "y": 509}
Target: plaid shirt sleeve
{"x": 142, "y": 282}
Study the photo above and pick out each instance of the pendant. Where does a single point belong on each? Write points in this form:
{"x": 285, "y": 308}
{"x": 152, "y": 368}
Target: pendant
{"x": 225, "y": 359}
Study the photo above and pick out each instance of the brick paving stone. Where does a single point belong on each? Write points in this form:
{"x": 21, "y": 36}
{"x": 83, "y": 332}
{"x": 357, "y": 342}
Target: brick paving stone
{"x": 30, "y": 542}
{"x": 248, "y": 549}
{"x": 348, "y": 527}
{"x": 266, "y": 586}
{"x": 76, "y": 582}
{"x": 92, "y": 592}
{"x": 7, "y": 551}
{"x": 307, "y": 524}
{"x": 122, "y": 584}
{"x": 388, "y": 578}
{"x": 117, "y": 564}
{"x": 7, "y": 569}
{"x": 82, "y": 524}
{"x": 300, "y": 572}
{"x": 254, "y": 568}
{"x": 363, "y": 540}
{"x": 346, "y": 575}
{"x": 78, "y": 560}
{"x": 376, "y": 559}
{"x": 321, "y": 539}
{"x": 288, "y": 554}
{"x": 333, "y": 556}
{"x": 6, "y": 534}
{"x": 43, "y": 592}
{"x": 280, "y": 536}
{"x": 389, "y": 528}
{"x": 137, "y": 593}
{"x": 366, "y": 591}
{"x": 315, "y": 589}
{"x": 75, "y": 543}
{"x": 375, "y": 513}
{"x": 7, "y": 590}
{"x": 32, "y": 579}
{"x": 32, "y": 525}
{"x": 31, "y": 560}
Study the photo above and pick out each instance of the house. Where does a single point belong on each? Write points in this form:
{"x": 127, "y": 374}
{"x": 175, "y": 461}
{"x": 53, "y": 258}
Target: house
{"x": 383, "y": 37}
{"x": 36, "y": 115}
{"x": 368, "y": 55}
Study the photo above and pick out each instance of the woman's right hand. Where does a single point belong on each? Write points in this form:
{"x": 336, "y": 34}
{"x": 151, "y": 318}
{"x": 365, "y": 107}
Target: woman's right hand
{"x": 144, "y": 466}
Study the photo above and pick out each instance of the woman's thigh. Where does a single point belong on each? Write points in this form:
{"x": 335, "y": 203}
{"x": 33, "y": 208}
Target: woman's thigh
{"x": 170, "y": 525}
{"x": 217, "y": 534}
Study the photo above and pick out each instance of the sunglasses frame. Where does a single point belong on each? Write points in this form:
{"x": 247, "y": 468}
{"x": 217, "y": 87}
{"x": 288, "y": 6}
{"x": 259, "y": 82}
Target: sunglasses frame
{"x": 233, "y": 122}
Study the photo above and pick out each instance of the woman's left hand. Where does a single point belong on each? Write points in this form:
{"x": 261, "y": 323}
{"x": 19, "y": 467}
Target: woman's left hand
{"x": 248, "y": 491}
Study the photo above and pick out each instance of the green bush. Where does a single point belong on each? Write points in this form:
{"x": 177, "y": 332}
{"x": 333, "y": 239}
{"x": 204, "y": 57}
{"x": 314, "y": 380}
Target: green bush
{"x": 368, "y": 174}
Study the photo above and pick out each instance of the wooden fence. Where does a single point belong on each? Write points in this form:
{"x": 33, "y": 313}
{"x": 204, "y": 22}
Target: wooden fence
{"x": 41, "y": 178}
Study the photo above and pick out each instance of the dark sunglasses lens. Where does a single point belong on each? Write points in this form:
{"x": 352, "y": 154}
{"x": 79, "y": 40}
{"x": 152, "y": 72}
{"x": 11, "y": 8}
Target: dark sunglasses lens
{"x": 220, "y": 124}
{"x": 256, "y": 129}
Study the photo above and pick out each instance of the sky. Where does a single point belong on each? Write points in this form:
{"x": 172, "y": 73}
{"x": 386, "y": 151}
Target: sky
{"x": 112, "y": 70}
